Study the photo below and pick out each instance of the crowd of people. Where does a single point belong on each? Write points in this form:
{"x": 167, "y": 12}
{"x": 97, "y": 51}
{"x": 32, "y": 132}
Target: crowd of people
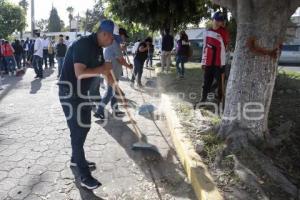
{"x": 15, "y": 57}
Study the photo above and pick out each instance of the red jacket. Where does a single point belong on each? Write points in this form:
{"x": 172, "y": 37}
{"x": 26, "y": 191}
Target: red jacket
{"x": 214, "y": 42}
{"x": 7, "y": 50}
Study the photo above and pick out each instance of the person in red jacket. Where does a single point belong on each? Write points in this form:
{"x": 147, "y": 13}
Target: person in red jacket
{"x": 8, "y": 54}
{"x": 215, "y": 42}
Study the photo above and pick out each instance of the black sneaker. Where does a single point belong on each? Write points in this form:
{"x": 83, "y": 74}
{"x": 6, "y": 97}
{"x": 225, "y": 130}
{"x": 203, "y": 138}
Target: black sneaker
{"x": 90, "y": 164}
{"x": 118, "y": 113}
{"x": 90, "y": 183}
{"x": 99, "y": 116}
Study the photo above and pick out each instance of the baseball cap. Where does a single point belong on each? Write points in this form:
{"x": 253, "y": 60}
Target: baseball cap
{"x": 218, "y": 16}
{"x": 109, "y": 26}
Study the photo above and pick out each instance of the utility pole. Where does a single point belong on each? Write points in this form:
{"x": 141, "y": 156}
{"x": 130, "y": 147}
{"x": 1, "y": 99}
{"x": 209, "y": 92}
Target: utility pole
{"x": 32, "y": 18}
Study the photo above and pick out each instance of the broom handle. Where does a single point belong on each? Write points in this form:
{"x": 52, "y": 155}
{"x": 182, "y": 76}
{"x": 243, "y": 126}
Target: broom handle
{"x": 136, "y": 131}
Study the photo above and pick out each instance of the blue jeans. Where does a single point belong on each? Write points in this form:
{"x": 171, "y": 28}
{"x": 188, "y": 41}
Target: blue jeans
{"x": 137, "y": 71}
{"x": 94, "y": 90}
{"x": 60, "y": 62}
{"x": 109, "y": 96}
{"x": 11, "y": 63}
{"x": 38, "y": 65}
{"x": 79, "y": 123}
{"x": 149, "y": 59}
{"x": 180, "y": 60}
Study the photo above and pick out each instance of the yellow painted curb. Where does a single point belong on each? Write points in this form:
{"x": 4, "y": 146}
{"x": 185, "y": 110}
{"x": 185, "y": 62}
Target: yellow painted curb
{"x": 196, "y": 170}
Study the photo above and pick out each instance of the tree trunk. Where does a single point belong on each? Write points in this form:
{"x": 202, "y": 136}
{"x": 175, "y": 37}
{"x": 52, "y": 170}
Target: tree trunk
{"x": 260, "y": 30}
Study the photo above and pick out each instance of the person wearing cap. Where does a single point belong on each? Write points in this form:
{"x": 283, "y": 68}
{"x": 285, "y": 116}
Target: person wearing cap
{"x": 139, "y": 60}
{"x": 113, "y": 55}
{"x": 216, "y": 39}
{"x": 83, "y": 61}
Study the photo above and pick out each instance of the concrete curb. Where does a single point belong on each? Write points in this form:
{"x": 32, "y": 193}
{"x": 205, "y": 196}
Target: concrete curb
{"x": 197, "y": 172}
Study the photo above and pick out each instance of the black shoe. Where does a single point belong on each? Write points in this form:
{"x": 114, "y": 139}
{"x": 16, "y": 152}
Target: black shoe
{"x": 90, "y": 183}
{"x": 118, "y": 113}
{"x": 140, "y": 85}
{"x": 99, "y": 116}
{"x": 90, "y": 164}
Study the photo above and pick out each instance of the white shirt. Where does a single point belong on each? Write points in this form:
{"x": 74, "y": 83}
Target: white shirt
{"x": 45, "y": 43}
{"x": 68, "y": 43}
{"x": 38, "y": 47}
{"x": 135, "y": 47}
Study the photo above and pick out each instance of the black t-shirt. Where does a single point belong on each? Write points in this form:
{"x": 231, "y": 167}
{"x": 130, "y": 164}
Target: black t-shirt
{"x": 61, "y": 50}
{"x": 141, "y": 56}
{"x": 85, "y": 51}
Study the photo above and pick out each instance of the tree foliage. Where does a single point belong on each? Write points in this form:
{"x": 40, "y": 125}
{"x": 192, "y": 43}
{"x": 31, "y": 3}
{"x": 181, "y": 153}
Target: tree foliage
{"x": 12, "y": 18}
{"x": 54, "y": 21}
{"x": 42, "y": 25}
{"x": 24, "y": 4}
{"x": 93, "y": 17}
{"x": 70, "y": 10}
{"x": 160, "y": 14}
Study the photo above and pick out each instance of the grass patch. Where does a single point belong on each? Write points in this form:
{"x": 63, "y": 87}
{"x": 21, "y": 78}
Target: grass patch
{"x": 211, "y": 146}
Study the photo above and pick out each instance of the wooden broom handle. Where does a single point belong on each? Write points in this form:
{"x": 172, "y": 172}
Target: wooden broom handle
{"x": 136, "y": 131}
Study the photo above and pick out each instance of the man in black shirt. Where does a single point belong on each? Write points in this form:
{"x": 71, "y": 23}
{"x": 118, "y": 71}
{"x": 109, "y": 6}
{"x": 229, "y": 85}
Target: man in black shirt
{"x": 166, "y": 50}
{"x": 139, "y": 59}
{"x": 84, "y": 60}
{"x": 60, "y": 50}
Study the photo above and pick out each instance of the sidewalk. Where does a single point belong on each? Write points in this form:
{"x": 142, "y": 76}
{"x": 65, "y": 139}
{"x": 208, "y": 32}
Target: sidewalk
{"x": 35, "y": 150}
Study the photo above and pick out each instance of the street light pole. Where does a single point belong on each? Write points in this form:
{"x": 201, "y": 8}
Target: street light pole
{"x": 32, "y": 18}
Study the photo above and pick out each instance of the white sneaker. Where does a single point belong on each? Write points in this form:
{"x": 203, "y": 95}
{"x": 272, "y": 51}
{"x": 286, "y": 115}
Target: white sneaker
{"x": 9, "y": 74}
{"x": 15, "y": 73}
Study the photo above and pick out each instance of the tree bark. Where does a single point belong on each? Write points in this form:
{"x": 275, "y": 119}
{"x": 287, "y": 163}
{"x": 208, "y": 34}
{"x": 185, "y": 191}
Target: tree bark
{"x": 261, "y": 26}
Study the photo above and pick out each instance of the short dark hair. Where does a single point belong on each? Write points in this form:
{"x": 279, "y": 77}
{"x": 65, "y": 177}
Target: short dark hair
{"x": 67, "y": 37}
{"x": 148, "y": 39}
{"x": 61, "y": 35}
{"x": 38, "y": 34}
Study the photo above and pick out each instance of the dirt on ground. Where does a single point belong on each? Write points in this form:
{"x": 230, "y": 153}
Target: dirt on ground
{"x": 200, "y": 125}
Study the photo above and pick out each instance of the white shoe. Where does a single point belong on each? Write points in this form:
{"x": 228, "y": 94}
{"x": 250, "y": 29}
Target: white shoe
{"x": 15, "y": 73}
{"x": 9, "y": 74}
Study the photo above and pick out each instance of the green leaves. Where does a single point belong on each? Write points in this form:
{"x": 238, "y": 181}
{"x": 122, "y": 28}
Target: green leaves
{"x": 54, "y": 21}
{"x": 12, "y": 18}
{"x": 159, "y": 14}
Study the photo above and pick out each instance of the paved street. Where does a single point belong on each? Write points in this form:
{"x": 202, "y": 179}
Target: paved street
{"x": 35, "y": 149}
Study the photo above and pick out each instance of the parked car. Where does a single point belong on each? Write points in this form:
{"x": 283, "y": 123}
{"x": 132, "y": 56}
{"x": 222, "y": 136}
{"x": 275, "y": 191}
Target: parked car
{"x": 129, "y": 49}
{"x": 290, "y": 54}
{"x": 197, "y": 47}
{"x": 157, "y": 49}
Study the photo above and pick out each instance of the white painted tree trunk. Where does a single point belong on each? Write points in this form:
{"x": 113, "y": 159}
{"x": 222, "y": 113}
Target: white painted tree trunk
{"x": 253, "y": 75}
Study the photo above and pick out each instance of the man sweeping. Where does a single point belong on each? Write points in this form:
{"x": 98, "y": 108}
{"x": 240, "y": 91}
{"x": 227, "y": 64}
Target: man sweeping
{"x": 113, "y": 54}
{"x": 84, "y": 60}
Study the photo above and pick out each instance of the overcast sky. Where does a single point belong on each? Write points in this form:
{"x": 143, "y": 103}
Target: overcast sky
{"x": 43, "y": 7}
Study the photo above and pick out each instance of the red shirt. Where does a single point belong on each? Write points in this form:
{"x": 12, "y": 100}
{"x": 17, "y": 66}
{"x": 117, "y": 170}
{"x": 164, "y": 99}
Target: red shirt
{"x": 7, "y": 50}
{"x": 224, "y": 34}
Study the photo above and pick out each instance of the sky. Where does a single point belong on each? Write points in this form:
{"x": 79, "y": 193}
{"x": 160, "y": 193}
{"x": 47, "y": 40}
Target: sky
{"x": 43, "y": 7}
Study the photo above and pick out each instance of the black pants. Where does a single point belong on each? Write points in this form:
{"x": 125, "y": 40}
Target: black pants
{"x": 78, "y": 114}
{"x": 211, "y": 73}
{"x": 51, "y": 59}
{"x": 45, "y": 57}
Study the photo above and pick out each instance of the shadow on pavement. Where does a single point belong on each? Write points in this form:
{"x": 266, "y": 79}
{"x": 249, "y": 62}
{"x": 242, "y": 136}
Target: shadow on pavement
{"x": 35, "y": 86}
{"x": 11, "y": 82}
{"x": 48, "y": 72}
{"x": 84, "y": 193}
{"x": 163, "y": 172}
